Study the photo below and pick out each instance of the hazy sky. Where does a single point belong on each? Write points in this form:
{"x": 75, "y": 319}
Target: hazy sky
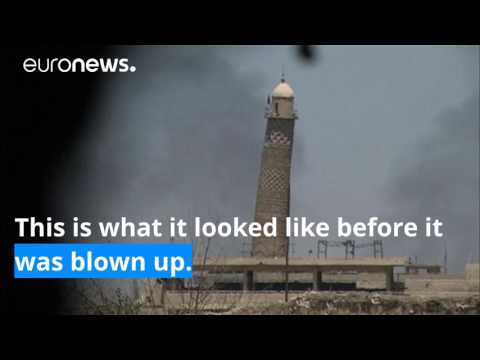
{"x": 388, "y": 131}
{"x": 362, "y": 109}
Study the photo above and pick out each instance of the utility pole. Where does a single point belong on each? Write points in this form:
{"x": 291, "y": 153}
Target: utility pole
{"x": 287, "y": 257}
{"x": 445, "y": 256}
{"x": 286, "y": 274}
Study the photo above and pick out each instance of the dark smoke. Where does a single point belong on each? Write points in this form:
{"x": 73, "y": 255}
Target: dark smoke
{"x": 181, "y": 137}
{"x": 442, "y": 181}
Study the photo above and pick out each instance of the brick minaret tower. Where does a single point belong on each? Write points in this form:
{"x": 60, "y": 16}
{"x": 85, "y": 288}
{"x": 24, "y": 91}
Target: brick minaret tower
{"x": 273, "y": 194}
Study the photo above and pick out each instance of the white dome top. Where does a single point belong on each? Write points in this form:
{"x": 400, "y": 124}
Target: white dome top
{"x": 283, "y": 90}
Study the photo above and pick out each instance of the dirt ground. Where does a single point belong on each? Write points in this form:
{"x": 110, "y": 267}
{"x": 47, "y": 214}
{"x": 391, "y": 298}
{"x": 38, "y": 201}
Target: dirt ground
{"x": 367, "y": 303}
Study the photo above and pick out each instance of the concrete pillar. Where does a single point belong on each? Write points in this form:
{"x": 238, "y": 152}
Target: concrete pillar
{"x": 163, "y": 290}
{"x": 248, "y": 283}
{"x": 317, "y": 280}
{"x": 174, "y": 284}
{"x": 136, "y": 288}
{"x": 389, "y": 280}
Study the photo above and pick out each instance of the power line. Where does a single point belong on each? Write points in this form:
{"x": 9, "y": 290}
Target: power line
{"x": 350, "y": 247}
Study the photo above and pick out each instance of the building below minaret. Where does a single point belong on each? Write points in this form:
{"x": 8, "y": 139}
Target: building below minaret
{"x": 273, "y": 193}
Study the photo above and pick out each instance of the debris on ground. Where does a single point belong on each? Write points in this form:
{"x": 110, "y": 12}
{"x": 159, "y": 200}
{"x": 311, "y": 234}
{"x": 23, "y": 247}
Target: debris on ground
{"x": 365, "y": 303}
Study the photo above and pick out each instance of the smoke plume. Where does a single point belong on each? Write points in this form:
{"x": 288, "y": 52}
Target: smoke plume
{"x": 443, "y": 182}
{"x": 181, "y": 137}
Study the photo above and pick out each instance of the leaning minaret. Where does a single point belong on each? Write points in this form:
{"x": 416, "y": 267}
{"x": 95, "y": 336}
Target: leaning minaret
{"x": 273, "y": 194}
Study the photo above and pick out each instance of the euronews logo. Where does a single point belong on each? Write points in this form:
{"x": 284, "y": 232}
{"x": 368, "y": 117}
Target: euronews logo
{"x": 64, "y": 65}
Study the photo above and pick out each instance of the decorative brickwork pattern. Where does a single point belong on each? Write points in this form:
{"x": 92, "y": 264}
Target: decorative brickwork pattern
{"x": 273, "y": 194}
{"x": 274, "y": 181}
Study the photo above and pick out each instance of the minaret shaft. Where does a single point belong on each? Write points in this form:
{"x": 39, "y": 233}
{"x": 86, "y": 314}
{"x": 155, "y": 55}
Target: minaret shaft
{"x": 273, "y": 193}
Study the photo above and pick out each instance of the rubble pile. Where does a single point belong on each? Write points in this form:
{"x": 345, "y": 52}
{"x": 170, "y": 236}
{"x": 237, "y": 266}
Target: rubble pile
{"x": 365, "y": 303}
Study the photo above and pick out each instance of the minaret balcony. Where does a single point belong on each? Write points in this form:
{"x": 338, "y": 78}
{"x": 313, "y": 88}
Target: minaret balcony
{"x": 273, "y": 115}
